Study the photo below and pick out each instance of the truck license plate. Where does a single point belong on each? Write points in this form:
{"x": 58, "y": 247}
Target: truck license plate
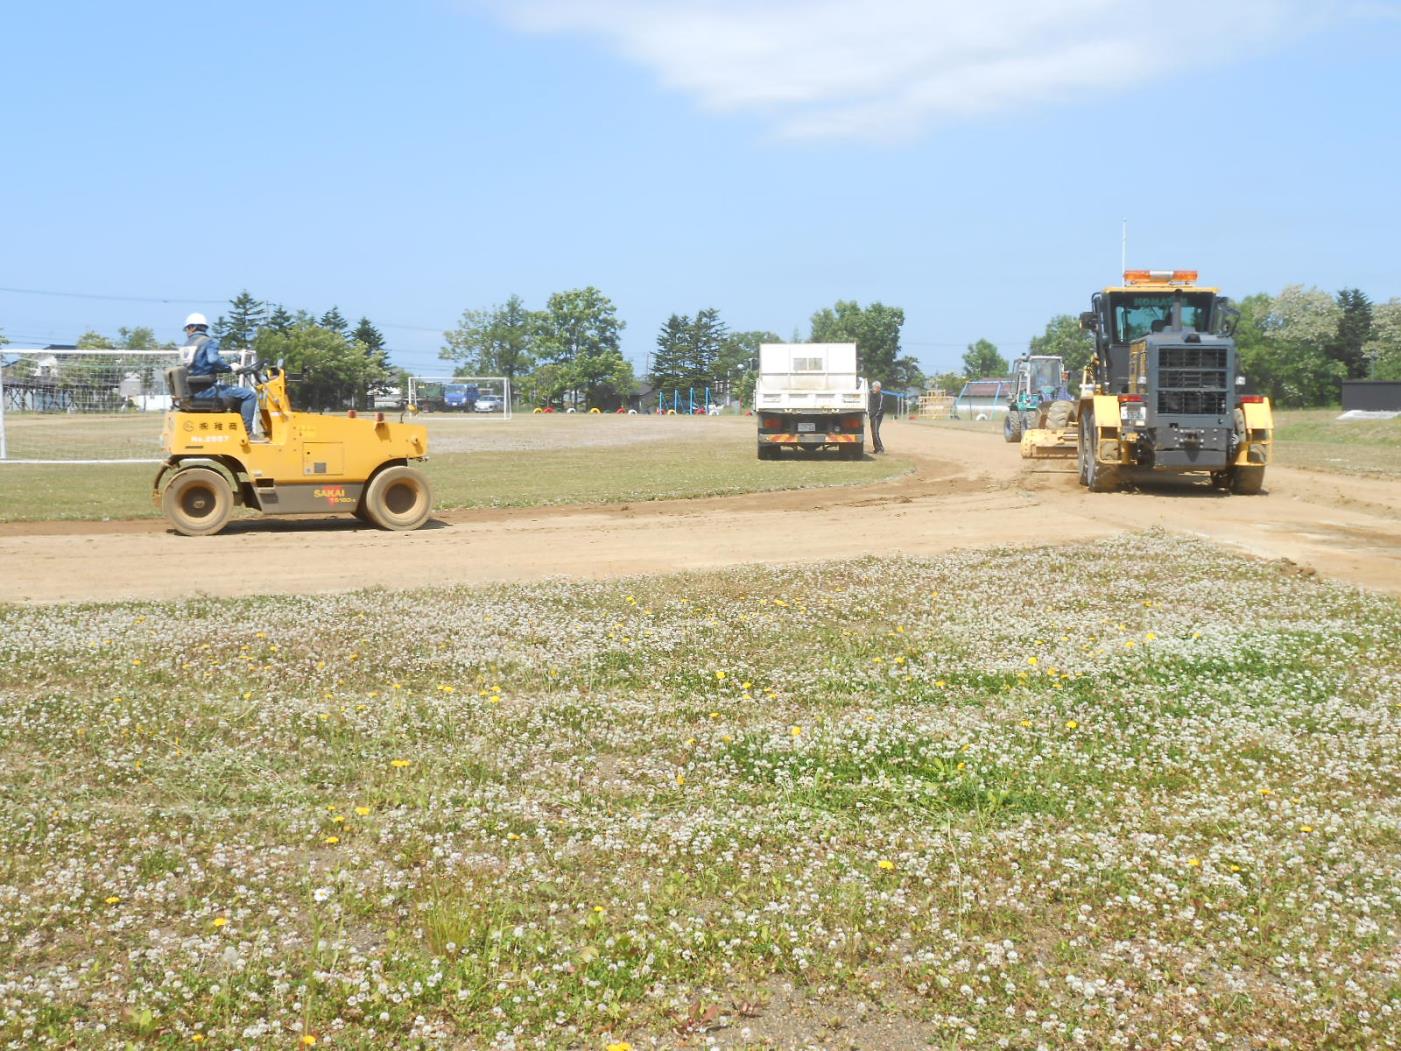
{"x": 806, "y": 427}
{"x": 817, "y": 438}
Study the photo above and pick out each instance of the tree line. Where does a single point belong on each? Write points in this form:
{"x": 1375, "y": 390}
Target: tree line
{"x": 570, "y": 349}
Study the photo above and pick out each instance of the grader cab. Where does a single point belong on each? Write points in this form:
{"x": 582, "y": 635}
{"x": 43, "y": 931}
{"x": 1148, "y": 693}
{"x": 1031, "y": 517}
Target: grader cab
{"x": 308, "y": 463}
{"x": 1162, "y": 393}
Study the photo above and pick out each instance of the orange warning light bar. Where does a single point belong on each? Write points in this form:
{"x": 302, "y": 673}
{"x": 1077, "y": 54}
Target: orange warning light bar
{"x": 1160, "y": 277}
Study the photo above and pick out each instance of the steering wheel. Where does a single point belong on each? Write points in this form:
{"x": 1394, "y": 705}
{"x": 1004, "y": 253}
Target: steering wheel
{"x": 258, "y": 370}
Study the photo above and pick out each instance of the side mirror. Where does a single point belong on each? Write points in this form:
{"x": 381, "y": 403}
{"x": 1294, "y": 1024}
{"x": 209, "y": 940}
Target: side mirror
{"x": 1089, "y": 321}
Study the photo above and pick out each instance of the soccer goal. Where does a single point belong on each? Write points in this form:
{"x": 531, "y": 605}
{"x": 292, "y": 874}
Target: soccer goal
{"x": 83, "y": 406}
{"x": 466, "y": 397}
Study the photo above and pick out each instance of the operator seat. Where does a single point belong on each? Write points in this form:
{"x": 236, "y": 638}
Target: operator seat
{"x": 183, "y": 387}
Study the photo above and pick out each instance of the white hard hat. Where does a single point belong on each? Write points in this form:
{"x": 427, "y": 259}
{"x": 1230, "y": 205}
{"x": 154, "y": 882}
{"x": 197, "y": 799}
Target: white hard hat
{"x": 196, "y": 319}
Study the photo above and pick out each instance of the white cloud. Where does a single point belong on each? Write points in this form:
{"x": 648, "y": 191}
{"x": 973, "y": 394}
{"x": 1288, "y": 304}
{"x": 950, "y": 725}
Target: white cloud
{"x": 886, "y": 69}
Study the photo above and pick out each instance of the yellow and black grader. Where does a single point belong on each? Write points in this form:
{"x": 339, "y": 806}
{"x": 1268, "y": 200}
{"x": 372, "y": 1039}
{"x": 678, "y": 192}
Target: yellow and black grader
{"x": 1162, "y": 393}
{"x": 308, "y": 463}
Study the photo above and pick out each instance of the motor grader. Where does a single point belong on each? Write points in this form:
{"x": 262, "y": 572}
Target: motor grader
{"x": 1162, "y": 393}
{"x": 308, "y": 463}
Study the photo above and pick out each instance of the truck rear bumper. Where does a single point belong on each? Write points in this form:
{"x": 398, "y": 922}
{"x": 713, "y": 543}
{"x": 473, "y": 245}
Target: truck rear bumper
{"x": 844, "y": 438}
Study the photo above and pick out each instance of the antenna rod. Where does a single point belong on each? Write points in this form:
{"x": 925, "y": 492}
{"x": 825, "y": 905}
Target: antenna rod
{"x": 1124, "y": 249}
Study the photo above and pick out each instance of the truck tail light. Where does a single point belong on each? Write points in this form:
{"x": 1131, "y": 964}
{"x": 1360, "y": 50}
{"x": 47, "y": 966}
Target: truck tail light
{"x": 769, "y": 423}
{"x": 854, "y": 424}
{"x": 1251, "y": 399}
{"x": 1130, "y": 398}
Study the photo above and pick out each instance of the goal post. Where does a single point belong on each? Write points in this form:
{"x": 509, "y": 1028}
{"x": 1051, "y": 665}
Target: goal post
{"x": 465, "y": 397}
{"x": 60, "y": 406}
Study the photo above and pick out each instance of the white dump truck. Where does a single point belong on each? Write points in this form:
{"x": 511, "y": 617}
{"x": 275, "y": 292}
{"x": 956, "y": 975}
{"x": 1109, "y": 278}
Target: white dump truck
{"x": 809, "y": 397}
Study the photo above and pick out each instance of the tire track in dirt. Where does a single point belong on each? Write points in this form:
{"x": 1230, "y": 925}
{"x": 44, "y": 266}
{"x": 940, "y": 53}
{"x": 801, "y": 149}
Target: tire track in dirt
{"x": 966, "y": 489}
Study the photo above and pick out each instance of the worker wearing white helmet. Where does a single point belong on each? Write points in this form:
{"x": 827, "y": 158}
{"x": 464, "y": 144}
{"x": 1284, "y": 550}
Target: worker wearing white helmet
{"x": 201, "y": 357}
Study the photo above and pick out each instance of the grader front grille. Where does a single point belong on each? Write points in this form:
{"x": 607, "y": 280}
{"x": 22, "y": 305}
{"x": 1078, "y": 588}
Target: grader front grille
{"x": 1192, "y": 381}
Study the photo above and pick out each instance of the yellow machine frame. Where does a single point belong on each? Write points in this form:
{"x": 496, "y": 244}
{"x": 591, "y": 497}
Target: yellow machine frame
{"x": 310, "y": 463}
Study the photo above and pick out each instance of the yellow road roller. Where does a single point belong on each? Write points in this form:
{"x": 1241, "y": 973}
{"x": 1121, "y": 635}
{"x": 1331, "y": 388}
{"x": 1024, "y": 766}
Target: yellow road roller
{"x": 308, "y": 463}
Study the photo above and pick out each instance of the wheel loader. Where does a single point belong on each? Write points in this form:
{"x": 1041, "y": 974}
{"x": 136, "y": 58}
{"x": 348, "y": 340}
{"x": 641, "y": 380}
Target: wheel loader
{"x": 1040, "y": 407}
{"x": 1162, "y": 393}
{"x": 308, "y": 463}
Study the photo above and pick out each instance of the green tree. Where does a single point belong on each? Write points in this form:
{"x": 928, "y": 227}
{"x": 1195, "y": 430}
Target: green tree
{"x": 707, "y": 340}
{"x": 336, "y": 372}
{"x": 982, "y": 360}
{"x": 238, "y": 330}
{"x": 372, "y": 339}
{"x": 280, "y": 320}
{"x": 669, "y": 360}
{"x": 1354, "y": 332}
{"x": 91, "y": 340}
{"x": 580, "y": 328}
{"x": 138, "y": 338}
{"x": 1383, "y": 350}
{"x": 874, "y": 329}
{"x": 737, "y": 368}
{"x": 496, "y": 342}
{"x": 1064, "y": 338}
{"x": 951, "y": 382}
{"x": 335, "y": 321}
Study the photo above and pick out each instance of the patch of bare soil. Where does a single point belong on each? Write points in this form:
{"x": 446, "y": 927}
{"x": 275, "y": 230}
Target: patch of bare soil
{"x": 968, "y": 489}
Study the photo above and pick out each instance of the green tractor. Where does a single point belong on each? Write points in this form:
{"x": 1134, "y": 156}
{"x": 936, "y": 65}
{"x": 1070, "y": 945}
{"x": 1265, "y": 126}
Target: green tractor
{"x": 1037, "y": 381}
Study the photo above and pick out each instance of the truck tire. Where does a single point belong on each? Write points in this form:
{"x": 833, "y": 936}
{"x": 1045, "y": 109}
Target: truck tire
{"x": 198, "y": 501}
{"x": 1012, "y": 426}
{"x": 767, "y": 451}
{"x": 1058, "y": 414}
{"x": 398, "y": 498}
{"x": 1247, "y": 481}
{"x": 852, "y": 451}
{"x": 1098, "y": 477}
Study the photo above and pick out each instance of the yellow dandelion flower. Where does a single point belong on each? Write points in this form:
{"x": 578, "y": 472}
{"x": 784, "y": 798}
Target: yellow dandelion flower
{"x": 1033, "y": 661}
{"x": 885, "y": 864}
{"x": 219, "y": 921}
{"x": 198, "y": 1038}
{"x": 796, "y": 731}
{"x": 1071, "y": 724}
{"x": 363, "y": 811}
{"x": 745, "y": 685}
{"x": 136, "y": 660}
{"x": 1267, "y": 791}
{"x": 308, "y": 1040}
{"x": 338, "y": 819}
{"x": 512, "y": 836}
{"x": 619, "y": 1045}
{"x": 1129, "y": 644}
{"x": 940, "y": 683}
{"x": 399, "y": 764}
{"x": 599, "y": 909}
{"x": 1026, "y": 722}
{"x": 680, "y": 779}
{"x": 726, "y": 738}
{"x": 1195, "y": 863}
{"x": 1151, "y": 636}
{"x": 111, "y": 899}
{"x": 1235, "y": 868}
{"x": 332, "y": 840}
{"x": 1305, "y": 828}
{"x": 720, "y": 676}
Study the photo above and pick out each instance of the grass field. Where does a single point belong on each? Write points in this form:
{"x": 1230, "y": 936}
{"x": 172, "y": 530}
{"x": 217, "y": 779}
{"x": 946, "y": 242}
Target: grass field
{"x": 531, "y": 461}
{"x": 889, "y": 803}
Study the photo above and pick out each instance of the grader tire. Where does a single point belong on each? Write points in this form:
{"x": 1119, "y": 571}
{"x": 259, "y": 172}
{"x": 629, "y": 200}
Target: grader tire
{"x": 1098, "y": 477}
{"x": 198, "y": 501}
{"x": 398, "y": 499}
{"x": 1247, "y": 481}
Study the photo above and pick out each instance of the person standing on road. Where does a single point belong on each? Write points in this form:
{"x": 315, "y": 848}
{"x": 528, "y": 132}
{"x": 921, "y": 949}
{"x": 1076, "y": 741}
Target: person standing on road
{"x": 201, "y": 356}
{"x": 876, "y": 410}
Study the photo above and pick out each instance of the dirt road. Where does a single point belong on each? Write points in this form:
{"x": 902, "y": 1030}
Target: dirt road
{"x": 967, "y": 489}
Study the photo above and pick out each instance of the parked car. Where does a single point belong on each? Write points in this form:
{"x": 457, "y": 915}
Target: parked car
{"x": 488, "y": 403}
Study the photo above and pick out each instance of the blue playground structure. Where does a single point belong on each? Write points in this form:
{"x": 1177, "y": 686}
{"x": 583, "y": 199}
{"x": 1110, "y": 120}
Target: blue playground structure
{"x": 687, "y": 406}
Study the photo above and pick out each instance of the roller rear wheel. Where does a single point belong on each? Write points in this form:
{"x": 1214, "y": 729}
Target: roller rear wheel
{"x": 198, "y": 501}
{"x": 1247, "y": 481}
{"x": 398, "y": 498}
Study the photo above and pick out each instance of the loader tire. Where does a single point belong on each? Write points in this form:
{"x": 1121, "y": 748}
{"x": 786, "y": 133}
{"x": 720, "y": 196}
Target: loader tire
{"x": 1058, "y": 414}
{"x": 198, "y": 501}
{"x": 398, "y": 498}
{"x": 1247, "y": 481}
{"x": 1012, "y": 426}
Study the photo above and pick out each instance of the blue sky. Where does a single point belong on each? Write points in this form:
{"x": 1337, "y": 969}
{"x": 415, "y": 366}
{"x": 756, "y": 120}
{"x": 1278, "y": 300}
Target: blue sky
{"x": 968, "y": 163}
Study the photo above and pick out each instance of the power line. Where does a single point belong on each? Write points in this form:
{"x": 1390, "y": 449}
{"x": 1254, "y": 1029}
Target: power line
{"x": 98, "y": 295}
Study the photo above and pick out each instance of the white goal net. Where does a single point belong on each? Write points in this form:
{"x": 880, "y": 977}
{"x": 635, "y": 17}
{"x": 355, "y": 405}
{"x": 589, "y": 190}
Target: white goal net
{"x": 83, "y": 406}
{"x": 461, "y": 397}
